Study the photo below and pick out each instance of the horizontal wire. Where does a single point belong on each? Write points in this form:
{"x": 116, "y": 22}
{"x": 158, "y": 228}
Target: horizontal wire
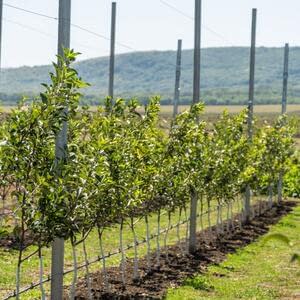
{"x": 191, "y": 18}
{"x": 80, "y": 27}
{"x": 72, "y": 24}
{"x": 176, "y": 9}
{"x": 101, "y": 36}
{"x": 46, "y": 33}
{"x": 30, "y": 11}
{"x": 118, "y": 251}
{"x": 107, "y": 38}
{"x": 29, "y": 27}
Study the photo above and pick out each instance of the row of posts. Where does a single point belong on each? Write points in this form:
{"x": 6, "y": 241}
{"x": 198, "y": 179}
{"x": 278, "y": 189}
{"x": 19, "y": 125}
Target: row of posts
{"x": 196, "y": 98}
{"x": 64, "y": 24}
{"x": 57, "y": 268}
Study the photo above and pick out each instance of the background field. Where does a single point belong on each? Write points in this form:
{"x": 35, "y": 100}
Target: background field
{"x": 262, "y": 112}
{"x": 215, "y": 109}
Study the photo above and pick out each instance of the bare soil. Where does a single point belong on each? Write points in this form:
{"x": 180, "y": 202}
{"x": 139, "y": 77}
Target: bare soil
{"x": 10, "y": 240}
{"x": 174, "y": 268}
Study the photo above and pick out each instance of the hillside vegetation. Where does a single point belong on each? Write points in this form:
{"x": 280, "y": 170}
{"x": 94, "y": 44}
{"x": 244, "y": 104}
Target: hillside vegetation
{"x": 225, "y": 73}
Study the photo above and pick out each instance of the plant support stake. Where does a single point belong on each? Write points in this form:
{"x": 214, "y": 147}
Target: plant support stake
{"x": 196, "y": 98}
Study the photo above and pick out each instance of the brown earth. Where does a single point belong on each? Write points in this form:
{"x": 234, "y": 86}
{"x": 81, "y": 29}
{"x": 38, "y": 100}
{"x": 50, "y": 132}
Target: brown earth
{"x": 12, "y": 241}
{"x": 175, "y": 267}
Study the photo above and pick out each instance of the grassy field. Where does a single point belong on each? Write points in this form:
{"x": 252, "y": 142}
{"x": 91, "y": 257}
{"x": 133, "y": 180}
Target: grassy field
{"x": 259, "y": 271}
{"x": 211, "y": 113}
{"x": 262, "y": 113}
{"x": 217, "y": 109}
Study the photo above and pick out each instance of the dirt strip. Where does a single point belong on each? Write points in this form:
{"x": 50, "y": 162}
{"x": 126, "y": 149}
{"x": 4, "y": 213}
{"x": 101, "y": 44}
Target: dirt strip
{"x": 175, "y": 267}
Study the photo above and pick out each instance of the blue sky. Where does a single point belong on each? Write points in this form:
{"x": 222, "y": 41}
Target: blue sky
{"x": 143, "y": 25}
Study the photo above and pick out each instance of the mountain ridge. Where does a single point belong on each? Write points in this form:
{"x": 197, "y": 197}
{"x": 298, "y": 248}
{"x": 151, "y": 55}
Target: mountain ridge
{"x": 224, "y": 76}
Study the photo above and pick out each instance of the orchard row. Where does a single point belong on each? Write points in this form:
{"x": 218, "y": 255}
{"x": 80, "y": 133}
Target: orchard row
{"x": 119, "y": 164}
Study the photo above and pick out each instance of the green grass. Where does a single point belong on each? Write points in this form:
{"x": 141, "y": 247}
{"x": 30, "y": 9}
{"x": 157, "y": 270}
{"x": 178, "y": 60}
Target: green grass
{"x": 259, "y": 271}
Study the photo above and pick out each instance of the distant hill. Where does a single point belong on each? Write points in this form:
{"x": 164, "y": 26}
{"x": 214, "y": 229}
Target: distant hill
{"x": 224, "y": 76}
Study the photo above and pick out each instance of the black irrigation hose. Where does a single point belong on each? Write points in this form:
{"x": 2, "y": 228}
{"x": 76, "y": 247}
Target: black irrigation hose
{"x": 110, "y": 254}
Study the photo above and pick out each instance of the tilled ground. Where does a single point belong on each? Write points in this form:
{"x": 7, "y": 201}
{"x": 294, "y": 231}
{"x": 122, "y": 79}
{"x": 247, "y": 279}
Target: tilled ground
{"x": 10, "y": 241}
{"x": 212, "y": 248}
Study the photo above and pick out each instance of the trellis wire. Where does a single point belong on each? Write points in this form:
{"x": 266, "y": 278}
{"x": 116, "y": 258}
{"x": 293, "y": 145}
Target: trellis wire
{"x": 129, "y": 246}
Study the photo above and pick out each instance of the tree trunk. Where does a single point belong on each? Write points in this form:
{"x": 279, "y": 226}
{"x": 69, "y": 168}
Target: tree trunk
{"x": 148, "y": 243}
{"x": 74, "y": 281}
{"x": 102, "y": 255}
{"x": 158, "y": 240}
{"x": 123, "y": 254}
{"x": 136, "y": 261}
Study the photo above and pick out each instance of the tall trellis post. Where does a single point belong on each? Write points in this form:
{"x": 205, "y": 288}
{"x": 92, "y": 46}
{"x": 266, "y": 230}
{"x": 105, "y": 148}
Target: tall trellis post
{"x": 285, "y": 79}
{"x": 1, "y": 21}
{"x": 284, "y": 106}
{"x": 250, "y": 105}
{"x": 196, "y": 98}
{"x": 177, "y": 78}
{"x": 112, "y": 50}
{"x": 57, "y": 267}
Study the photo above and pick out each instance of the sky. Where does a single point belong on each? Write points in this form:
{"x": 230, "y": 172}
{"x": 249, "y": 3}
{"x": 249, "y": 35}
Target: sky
{"x": 29, "y": 39}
